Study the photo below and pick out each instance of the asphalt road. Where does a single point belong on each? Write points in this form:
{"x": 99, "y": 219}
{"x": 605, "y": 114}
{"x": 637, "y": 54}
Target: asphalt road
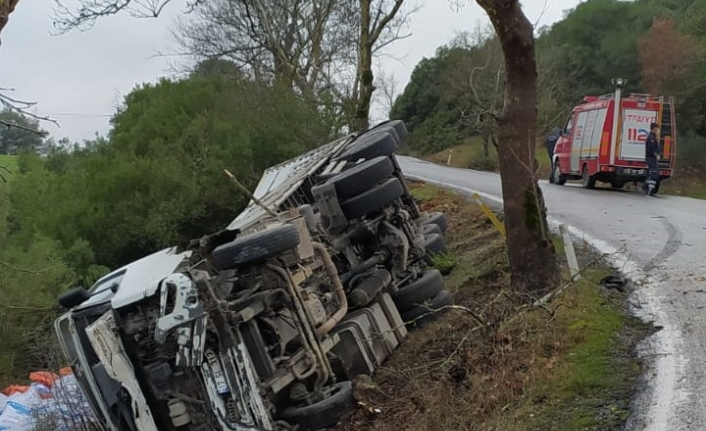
{"x": 660, "y": 243}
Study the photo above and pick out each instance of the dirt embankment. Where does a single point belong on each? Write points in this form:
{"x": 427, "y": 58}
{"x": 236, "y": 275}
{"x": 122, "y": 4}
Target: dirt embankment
{"x": 493, "y": 363}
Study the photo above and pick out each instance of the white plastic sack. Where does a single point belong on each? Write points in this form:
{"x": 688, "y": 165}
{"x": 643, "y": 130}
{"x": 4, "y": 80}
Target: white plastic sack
{"x": 42, "y": 391}
{"x": 69, "y": 402}
{"x": 20, "y": 412}
{"x": 62, "y": 407}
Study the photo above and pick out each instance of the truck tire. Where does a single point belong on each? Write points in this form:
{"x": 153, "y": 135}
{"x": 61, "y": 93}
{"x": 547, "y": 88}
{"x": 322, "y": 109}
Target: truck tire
{"x": 438, "y": 218}
{"x": 431, "y": 228}
{"x": 397, "y": 125}
{"x": 434, "y": 244}
{"x": 255, "y": 247}
{"x": 587, "y": 181}
{"x": 372, "y": 200}
{"x": 418, "y": 291}
{"x": 362, "y": 177}
{"x": 382, "y": 143}
{"x": 427, "y": 312}
{"x": 559, "y": 178}
{"x": 617, "y": 185}
{"x": 340, "y": 405}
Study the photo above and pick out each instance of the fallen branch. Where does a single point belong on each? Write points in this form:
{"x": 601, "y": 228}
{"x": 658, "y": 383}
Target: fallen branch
{"x": 460, "y": 344}
{"x": 245, "y": 190}
{"x": 26, "y": 271}
{"x": 564, "y": 286}
{"x": 6, "y": 169}
{"x": 23, "y": 308}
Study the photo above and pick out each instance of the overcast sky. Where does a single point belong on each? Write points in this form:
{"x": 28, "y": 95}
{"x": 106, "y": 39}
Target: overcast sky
{"x": 79, "y": 78}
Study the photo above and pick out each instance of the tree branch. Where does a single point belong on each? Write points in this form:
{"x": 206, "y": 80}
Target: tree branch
{"x": 375, "y": 31}
{"x": 21, "y": 107}
{"x": 26, "y": 129}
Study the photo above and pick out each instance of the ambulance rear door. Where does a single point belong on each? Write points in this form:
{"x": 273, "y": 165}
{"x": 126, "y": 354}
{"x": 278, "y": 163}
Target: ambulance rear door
{"x": 635, "y": 128}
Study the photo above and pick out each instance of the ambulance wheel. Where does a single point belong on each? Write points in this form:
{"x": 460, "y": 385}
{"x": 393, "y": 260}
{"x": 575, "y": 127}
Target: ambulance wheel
{"x": 587, "y": 181}
{"x": 656, "y": 188}
{"x": 617, "y": 185}
{"x": 559, "y": 179}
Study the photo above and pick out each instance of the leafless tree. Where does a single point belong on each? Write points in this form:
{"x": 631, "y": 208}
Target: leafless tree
{"x": 480, "y": 77}
{"x": 6, "y": 101}
{"x": 389, "y": 88}
{"x": 82, "y": 14}
{"x": 553, "y": 81}
{"x": 323, "y": 49}
{"x": 531, "y": 251}
{"x": 381, "y": 23}
{"x": 296, "y": 43}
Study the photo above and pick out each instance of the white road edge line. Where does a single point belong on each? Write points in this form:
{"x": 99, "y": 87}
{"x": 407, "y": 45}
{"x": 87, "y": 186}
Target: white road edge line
{"x": 662, "y": 351}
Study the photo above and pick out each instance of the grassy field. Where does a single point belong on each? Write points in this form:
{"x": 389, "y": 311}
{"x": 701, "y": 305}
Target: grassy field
{"x": 687, "y": 181}
{"x": 567, "y": 367}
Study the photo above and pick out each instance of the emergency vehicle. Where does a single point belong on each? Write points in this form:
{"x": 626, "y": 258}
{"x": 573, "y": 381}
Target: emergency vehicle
{"x": 604, "y": 140}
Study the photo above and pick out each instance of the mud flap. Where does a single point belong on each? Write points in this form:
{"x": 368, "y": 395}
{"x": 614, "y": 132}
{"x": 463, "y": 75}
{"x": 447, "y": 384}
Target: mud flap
{"x": 102, "y": 335}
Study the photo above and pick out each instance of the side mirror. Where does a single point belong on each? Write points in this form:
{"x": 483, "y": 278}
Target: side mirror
{"x": 73, "y": 297}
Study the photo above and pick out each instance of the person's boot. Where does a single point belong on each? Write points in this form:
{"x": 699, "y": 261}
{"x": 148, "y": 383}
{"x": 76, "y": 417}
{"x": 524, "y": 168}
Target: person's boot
{"x": 650, "y": 187}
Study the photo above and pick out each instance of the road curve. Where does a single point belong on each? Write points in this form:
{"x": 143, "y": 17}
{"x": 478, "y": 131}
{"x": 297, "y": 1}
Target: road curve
{"x": 661, "y": 244}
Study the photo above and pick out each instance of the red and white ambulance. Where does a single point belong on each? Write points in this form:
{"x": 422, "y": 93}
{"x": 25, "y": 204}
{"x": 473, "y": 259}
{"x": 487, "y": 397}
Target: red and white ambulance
{"x": 604, "y": 139}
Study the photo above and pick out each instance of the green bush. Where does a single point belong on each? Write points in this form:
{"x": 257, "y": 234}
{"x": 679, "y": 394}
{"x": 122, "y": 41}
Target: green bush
{"x": 156, "y": 181}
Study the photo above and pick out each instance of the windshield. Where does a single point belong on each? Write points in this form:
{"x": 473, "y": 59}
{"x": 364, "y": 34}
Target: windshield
{"x": 107, "y": 282}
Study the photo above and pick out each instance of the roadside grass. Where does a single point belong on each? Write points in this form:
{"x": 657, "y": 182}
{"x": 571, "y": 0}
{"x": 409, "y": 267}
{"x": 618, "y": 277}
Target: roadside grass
{"x": 688, "y": 181}
{"x": 492, "y": 363}
{"x": 469, "y": 155}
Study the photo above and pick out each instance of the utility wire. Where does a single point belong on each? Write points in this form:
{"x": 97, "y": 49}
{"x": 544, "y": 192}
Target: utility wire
{"x": 80, "y": 115}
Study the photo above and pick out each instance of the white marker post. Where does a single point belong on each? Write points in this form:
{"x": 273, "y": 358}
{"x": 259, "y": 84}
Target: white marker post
{"x": 570, "y": 253}
{"x": 573, "y": 266}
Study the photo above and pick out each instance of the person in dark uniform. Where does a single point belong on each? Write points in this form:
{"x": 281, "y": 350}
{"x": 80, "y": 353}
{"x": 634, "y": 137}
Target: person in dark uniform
{"x": 651, "y": 158}
{"x": 550, "y": 143}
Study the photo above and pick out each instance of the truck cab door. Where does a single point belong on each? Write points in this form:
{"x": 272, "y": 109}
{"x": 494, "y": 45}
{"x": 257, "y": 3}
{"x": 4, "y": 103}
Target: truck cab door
{"x": 563, "y": 145}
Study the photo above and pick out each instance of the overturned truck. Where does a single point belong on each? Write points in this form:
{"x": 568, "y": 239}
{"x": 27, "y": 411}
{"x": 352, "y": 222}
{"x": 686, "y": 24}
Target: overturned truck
{"x": 265, "y": 324}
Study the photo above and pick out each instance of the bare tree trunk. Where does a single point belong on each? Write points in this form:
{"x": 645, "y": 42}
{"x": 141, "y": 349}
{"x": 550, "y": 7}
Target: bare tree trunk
{"x": 6, "y": 8}
{"x": 373, "y": 21}
{"x": 365, "y": 69}
{"x": 362, "y": 111}
{"x": 531, "y": 251}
